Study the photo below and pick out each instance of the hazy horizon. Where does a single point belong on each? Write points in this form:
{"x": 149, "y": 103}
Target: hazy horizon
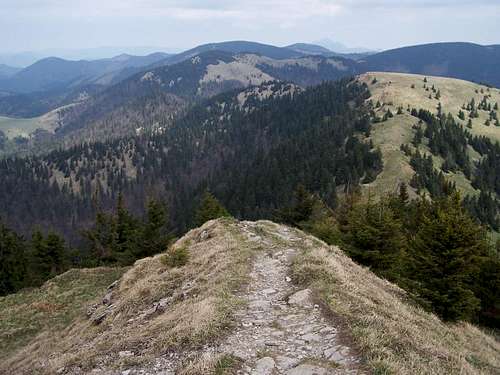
{"x": 39, "y": 25}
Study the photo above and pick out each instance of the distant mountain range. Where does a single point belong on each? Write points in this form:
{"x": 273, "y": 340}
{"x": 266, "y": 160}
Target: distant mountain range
{"x": 54, "y": 73}
{"x": 468, "y": 61}
{"x": 7, "y": 71}
{"x": 53, "y": 82}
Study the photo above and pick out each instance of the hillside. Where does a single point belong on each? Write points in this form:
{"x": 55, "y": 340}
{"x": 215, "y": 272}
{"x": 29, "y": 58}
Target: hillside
{"x": 235, "y": 142}
{"x": 56, "y": 73}
{"x": 7, "y": 71}
{"x": 468, "y": 61}
{"x": 394, "y": 90}
{"x": 167, "y": 90}
{"x": 236, "y": 47}
{"x": 254, "y": 296}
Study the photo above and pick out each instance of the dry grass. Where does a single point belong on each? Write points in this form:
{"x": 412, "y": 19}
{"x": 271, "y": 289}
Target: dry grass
{"x": 389, "y": 136}
{"x": 30, "y": 313}
{"x": 201, "y": 301}
{"x": 394, "y": 335}
{"x": 393, "y": 90}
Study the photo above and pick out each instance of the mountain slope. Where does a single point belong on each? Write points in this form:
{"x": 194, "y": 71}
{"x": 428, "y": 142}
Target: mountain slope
{"x": 7, "y": 71}
{"x": 401, "y": 94}
{"x": 467, "y": 61}
{"x": 101, "y": 115}
{"x": 310, "y": 49}
{"x": 158, "y": 318}
{"x": 236, "y": 47}
{"x": 235, "y": 142}
{"x": 55, "y": 73}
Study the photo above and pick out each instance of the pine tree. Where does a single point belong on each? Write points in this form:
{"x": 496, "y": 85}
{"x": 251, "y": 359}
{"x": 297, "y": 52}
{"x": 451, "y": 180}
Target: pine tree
{"x": 375, "y": 237}
{"x": 209, "y": 209}
{"x": 403, "y": 192}
{"x": 13, "y": 259}
{"x": 445, "y": 254}
{"x": 156, "y": 235}
{"x": 127, "y": 234}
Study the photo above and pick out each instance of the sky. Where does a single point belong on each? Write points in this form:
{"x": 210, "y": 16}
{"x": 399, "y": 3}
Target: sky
{"x": 34, "y": 25}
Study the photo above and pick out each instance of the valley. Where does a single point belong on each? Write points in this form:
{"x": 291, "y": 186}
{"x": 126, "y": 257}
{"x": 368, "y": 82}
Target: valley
{"x": 240, "y": 207}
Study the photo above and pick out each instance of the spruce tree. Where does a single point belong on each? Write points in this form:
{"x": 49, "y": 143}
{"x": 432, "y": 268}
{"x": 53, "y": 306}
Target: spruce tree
{"x": 13, "y": 259}
{"x": 209, "y": 209}
{"x": 375, "y": 237}
{"x": 156, "y": 235}
{"x": 446, "y": 252}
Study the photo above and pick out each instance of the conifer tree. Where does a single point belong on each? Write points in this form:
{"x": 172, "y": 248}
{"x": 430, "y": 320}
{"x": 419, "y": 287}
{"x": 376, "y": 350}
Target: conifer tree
{"x": 156, "y": 235}
{"x": 127, "y": 234}
{"x": 209, "y": 209}
{"x": 446, "y": 252}
{"x": 12, "y": 261}
{"x": 375, "y": 237}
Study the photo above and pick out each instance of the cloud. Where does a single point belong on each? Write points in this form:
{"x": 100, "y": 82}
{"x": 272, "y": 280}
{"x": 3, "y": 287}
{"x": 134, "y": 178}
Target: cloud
{"x": 190, "y": 9}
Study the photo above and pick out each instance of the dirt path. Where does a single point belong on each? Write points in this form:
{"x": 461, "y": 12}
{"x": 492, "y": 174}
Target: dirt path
{"x": 281, "y": 330}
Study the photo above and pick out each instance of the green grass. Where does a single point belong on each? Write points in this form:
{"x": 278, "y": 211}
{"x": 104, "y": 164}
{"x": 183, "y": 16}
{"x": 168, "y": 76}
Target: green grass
{"x": 52, "y": 307}
{"x": 20, "y": 127}
{"x": 396, "y": 88}
{"x": 393, "y": 90}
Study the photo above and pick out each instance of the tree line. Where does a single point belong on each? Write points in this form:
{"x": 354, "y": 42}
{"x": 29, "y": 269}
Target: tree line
{"x": 433, "y": 249}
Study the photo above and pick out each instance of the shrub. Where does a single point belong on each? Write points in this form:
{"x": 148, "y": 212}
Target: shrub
{"x": 175, "y": 257}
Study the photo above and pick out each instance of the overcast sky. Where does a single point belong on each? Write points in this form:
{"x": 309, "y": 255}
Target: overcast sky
{"x": 377, "y": 24}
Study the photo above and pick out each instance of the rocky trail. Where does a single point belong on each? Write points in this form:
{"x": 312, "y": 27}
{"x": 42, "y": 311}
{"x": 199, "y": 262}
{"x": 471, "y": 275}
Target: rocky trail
{"x": 279, "y": 329}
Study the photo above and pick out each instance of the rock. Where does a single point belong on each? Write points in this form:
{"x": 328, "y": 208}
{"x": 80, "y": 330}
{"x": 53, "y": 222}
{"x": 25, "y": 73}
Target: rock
{"x": 204, "y": 235}
{"x": 334, "y": 355}
{"x": 264, "y": 366}
{"x": 301, "y": 298}
{"x": 288, "y": 279}
{"x": 259, "y": 304}
{"x": 311, "y": 337}
{"x": 269, "y": 291}
{"x": 125, "y": 353}
{"x": 98, "y": 318}
{"x": 307, "y": 370}
{"x": 91, "y": 310}
{"x": 271, "y": 343}
{"x": 126, "y": 372}
{"x": 285, "y": 363}
{"x": 107, "y": 298}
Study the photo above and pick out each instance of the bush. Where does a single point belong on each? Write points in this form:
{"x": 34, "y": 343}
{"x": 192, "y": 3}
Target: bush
{"x": 175, "y": 257}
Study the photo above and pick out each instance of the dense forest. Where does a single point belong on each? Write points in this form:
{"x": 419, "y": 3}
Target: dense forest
{"x": 275, "y": 152}
{"x": 433, "y": 249}
{"x": 251, "y": 155}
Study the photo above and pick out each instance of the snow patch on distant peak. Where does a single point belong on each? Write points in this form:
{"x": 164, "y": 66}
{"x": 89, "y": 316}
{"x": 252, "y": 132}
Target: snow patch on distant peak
{"x": 151, "y": 77}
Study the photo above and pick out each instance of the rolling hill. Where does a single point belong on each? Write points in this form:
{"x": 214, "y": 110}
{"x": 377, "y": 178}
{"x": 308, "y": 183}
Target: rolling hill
{"x": 236, "y": 47}
{"x": 119, "y": 109}
{"x": 471, "y": 62}
{"x": 310, "y": 49}
{"x": 56, "y": 73}
{"x": 7, "y": 71}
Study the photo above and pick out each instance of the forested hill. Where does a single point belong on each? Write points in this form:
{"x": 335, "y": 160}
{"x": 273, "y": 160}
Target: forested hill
{"x": 251, "y": 148}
